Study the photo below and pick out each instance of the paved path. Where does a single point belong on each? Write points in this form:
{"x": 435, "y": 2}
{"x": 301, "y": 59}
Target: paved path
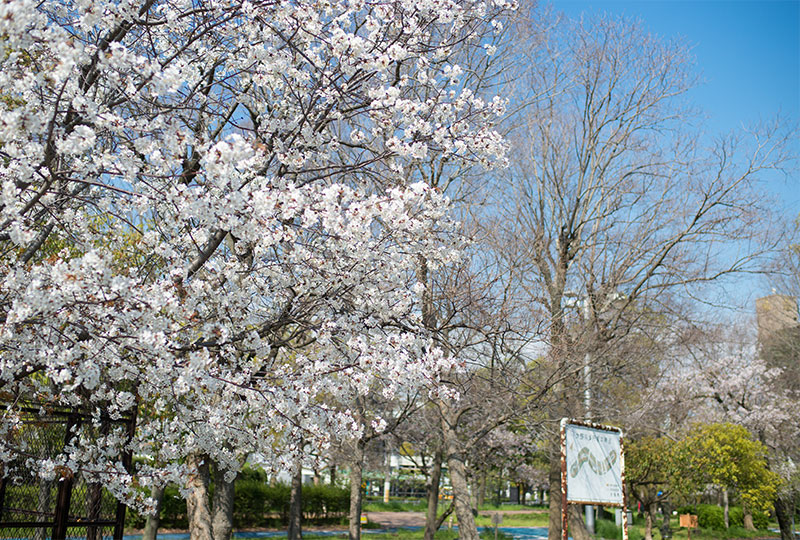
{"x": 417, "y": 519}
{"x": 398, "y": 519}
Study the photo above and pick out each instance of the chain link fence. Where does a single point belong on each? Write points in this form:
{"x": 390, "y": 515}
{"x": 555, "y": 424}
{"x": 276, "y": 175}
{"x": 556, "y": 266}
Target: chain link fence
{"x": 67, "y": 506}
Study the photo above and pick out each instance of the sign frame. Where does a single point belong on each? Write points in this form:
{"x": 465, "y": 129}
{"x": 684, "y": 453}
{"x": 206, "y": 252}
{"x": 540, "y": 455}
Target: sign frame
{"x": 565, "y": 501}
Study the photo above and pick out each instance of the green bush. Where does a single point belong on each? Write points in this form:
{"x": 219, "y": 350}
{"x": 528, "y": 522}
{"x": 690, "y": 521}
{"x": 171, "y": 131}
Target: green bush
{"x": 173, "y": 509}
{"x": 711, "y": 516}
{"x": 735, "y": 516}
{"x": 604, "y": 528}
{"x": 761, "y": 520}
{"x": 607, "y": 529}
{"x": 257, "y": 504}
{"x": 325, "y": 501}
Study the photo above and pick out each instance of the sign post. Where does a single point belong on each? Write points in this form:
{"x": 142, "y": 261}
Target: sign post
{"x": 592, "y": 468}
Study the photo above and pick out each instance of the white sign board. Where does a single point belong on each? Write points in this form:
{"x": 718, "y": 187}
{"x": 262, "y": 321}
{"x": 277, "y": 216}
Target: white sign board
{"x": 594, "y": 473}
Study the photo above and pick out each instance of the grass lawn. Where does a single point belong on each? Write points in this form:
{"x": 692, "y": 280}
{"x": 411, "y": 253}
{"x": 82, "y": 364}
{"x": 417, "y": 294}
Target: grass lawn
{"x": 443, "y": 534}
{"x": 418, "y": 505}
{"x": 607, "y": 529}
{"x": 538, "y": 519}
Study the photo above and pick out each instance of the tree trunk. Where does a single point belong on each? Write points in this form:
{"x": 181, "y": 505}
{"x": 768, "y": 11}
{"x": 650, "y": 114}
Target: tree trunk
{"x": 747, "y": 518}
{"x": 726, "y": 507}
{"x": 356, "y": 469}
{"x": 648, "y": 522}
{"x": 197, "y": 506}
{"x": 333, "y": 474}
{"x": 577, "y": 528}
{"x": 222, "y": 506}
{"x": 151, "y": 525}
{"x": 523, "y": 490}
{"x": 458, "y": 478}
{"x": 783, "y": 511}
{"x": 666, "y": 532}
{"x": 387, "y": 474}
{"x": 295, "y": 531}
{"x": 481, "y": 497}
{"x": 458, "y": 475}
{"x": 44, "y": 500}
{"x": 554, "y": 478}
{"x": 433, "y": 495}
{"x": 317, "y": 477}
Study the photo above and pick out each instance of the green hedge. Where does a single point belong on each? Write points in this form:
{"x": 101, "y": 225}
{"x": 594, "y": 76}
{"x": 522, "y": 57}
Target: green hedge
{"x": 257, "y": 504}
{"x": 712, "y": 516}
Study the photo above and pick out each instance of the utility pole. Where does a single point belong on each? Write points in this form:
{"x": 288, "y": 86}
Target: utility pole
{"x": 587, "y": 401}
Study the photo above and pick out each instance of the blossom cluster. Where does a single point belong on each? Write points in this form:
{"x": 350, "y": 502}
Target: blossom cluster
{"x": 206, "y": 215}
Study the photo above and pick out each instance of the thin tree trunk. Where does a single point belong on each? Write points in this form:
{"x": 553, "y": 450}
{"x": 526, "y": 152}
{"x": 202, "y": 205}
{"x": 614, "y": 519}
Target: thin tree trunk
{"x": 554, "y": 479}
{"x": 222, "y": 505}
{"x": 665, "y": 530}
{"x": 458, "y": 478}
{"x": 783, "y": 507}
{"x": 577, "y": 528}
{"x": 197, "y": 506}
{"x": 726, "y": 507}
{"x": 387, "y": 474}
{"x": 648, "y": 522}
{"x": 458, "y": 475}
{"x": 747, "y": 517}
{"x": 481, "y": 498}
{"x": 356, "y": 470}
{"x": 295, "y": 531}
{"x": 433, "y": 495}
{"x": 333, "y": 474}
{"x": 44, "y": 500}
{"x": 153, "y": 520}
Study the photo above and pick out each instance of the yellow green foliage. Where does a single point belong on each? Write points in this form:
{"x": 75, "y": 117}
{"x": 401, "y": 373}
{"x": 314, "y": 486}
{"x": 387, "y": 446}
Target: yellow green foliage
{"x": 727, "y": 456}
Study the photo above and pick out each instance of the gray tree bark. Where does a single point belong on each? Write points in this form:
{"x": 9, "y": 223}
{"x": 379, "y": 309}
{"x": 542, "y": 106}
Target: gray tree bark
{"x": 431, "y": 525}
{"x": 356, "y": 470}
{"x": 295, "y": 531}
{"x": 222, "y": 506}
{"x": 458, "y": 475}
{"x": 648, "y": 522}
{"x": 577, "y": 528}
{"x": 153, "y": 520}
{"x": 480, "y": 498}
{"x": 783, "y": 511}
{"x": 726, "y": 507}
{"x": 44, "y": 500}
{"x": 665, "y": 530}
{"x": 198, "y": 511}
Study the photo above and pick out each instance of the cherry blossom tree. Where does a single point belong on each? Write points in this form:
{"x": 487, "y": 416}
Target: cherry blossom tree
{"x": 256, "y": 153}
{"x": 722, "y": 378}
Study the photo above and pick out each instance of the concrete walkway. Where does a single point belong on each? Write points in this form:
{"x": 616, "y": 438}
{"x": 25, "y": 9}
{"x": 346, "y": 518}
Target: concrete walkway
{"x": 397, "y": 519}
{"x": 417, "y": 519}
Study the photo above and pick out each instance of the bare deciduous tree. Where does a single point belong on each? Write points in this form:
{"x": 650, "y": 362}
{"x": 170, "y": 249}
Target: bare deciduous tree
{"x": 614, "y": 203}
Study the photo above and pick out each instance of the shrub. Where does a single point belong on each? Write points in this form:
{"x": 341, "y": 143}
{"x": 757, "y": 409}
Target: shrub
{"x": 711, "y": 516}
{"x": 607, "y": 529}
{"x": 256, "y": 504}
{"x": 761, "y": 520}
{"x": 735, "y": 516}
{"x": 325, "y": 501}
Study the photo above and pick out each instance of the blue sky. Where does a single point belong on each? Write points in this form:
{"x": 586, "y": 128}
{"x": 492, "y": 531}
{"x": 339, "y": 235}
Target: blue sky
{"x": 747, "y": 53}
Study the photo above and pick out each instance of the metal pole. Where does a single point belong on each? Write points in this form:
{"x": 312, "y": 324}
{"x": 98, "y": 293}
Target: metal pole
{"x": 564, "y": 532}
{"x": 624, "y": 491}
{"x": 587, "y": 399}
